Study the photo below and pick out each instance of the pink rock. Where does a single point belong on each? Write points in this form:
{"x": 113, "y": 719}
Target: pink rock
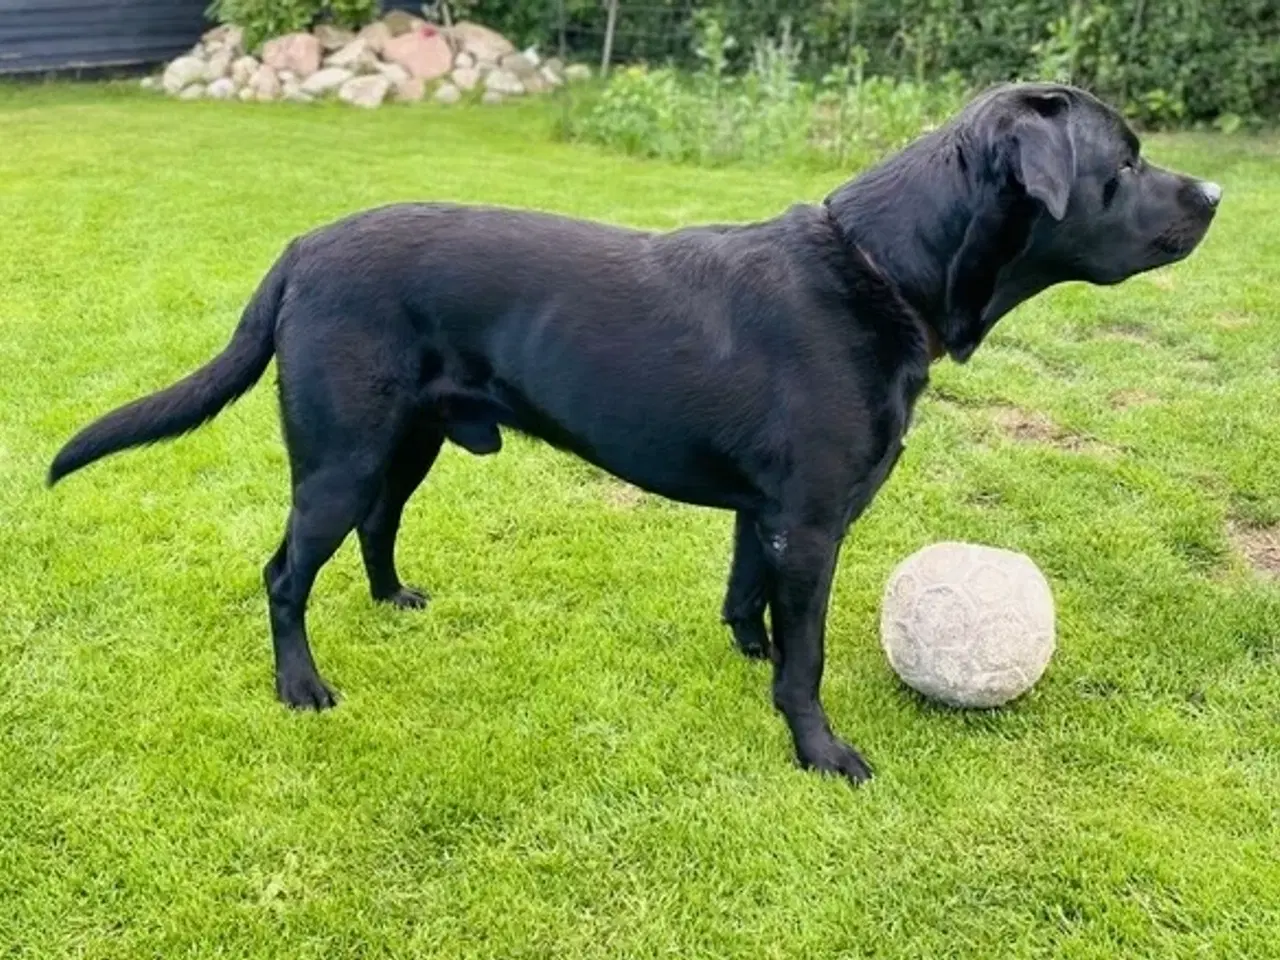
{"x": 423, "y": 52}
{"x": 298, "y": 53}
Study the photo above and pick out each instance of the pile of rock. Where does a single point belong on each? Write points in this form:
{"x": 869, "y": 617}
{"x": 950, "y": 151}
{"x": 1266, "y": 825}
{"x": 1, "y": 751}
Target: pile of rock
{"x": 399, "y": 57}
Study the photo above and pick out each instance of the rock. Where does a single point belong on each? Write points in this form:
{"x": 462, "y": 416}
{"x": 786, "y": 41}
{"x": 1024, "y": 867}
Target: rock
{"x": 218, "y": 66}
{"x": 393, "y": 72}
{"x": 464, "y": 59}
{"x": 375, "y": 36}
{"x": 296, "y": 52}
{"x": 491, "y": 97}
{"x": 531, "y": 54}
{"x": 465, "y": 78}
{"x": 150, "y": 83}
{"x": 182, "y": 73}
{"x": 264, "y": 83}
{"x": 288, "y": 77}
{"x": 294, "y": 94}
{"x": 535, "y": 83}
{"x": 411, "y": 90}
{"x": 225, "y": 37}
{"x": 355, "y": 56}
{"x": 400, "y": 22}
{"x": 480, "y": 42}
{"x": 550, "y": 77}
{"x": 246, "y": 94}
{"x": 519, "y": 64}
{"x": 242, "y": 70}
{"x": 331, "y": 37}
{"x": 555, "y": 65}
{"x": 223, "y": 88}
{"x": 447, "y": 93}
{"x": 365, "y": 92}
{"x": 193, "y": 92}
{"x": 504, "y": 82}
{"x": 577, "y": 72}
{"x": 216, "y": 35}
{"x": 323, "y": 81}
{"x": 424, "y": 53}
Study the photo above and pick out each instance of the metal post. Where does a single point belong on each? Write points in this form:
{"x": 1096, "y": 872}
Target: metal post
{"x": 608, "y": 38}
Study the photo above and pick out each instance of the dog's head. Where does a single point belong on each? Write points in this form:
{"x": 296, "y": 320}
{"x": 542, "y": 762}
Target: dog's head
{"x": 1028, "y": 186}
{"x": 1066, "y": 195}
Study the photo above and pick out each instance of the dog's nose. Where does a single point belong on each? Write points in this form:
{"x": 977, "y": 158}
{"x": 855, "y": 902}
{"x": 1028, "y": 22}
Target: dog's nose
{"x": 1212, "y": 192}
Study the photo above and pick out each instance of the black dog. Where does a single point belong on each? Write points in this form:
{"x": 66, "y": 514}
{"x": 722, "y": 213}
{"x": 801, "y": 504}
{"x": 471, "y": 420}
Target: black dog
{"x": 769, "y": 369}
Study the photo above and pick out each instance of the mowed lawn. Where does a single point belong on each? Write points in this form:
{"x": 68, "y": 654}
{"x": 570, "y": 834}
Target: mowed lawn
{"x": 563, "y": 756}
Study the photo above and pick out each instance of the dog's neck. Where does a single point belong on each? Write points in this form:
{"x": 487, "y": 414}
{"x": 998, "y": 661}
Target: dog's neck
{"x": 857, "y": 251}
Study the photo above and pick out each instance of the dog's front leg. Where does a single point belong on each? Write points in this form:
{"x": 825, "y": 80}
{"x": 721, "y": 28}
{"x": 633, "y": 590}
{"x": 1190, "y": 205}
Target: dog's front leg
{"x": 803, "y": 561}
{"x": 747, "y": 594}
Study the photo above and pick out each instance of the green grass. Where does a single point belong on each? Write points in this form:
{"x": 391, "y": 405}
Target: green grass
{"x": 563, "y": 756}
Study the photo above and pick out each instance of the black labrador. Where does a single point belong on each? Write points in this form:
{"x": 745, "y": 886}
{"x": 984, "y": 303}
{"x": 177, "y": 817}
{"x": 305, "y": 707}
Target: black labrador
{"x": 768, "y": 368}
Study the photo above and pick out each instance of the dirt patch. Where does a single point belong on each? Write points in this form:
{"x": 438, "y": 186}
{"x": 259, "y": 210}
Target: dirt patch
{"x": 1260, "y": 546}
{"x": 1128, "y": 333}
{"x": 1029, "y": 426}
{"x": 622, "y": 496}
{"x": 1132, "y": 397}
{"x": 1233, "y": 320}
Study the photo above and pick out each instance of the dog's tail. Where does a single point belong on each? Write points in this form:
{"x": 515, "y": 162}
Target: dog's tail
{"x": 198, "y": 397}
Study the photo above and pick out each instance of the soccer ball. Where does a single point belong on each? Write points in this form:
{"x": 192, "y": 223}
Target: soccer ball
{"x": 968, "y": 625}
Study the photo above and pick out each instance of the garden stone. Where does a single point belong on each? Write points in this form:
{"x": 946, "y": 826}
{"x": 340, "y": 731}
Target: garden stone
{"x": 550, "y": 77}
{"x": 491, "y": 97}
{"x": 400, "y": 22}
{"x": 393, "y": 72}
{"x": 466, "y": 78}
{"x": 519, "y": 64}
{"x": 150, "y": 83}
{"x": 356, "y": 56}
{"x": 375, "y": 36}
{"x": 297, "y": 95}
{"x": 480, "y": 41}
{"x": 411, "y": 90}
{"x": 296, "y": 52}
{"x": 193, "y": 92}
{"x": 264, "y": 83}
{"x": 535, "y": 83}
{"x": 246, "y": 94}
{"x": 577, "y": 72}
{"x": 221, "y": 89}
{"x": 464, "y": 59}
{"x": 218, "y": 66}
{"x": 367, "y": 92}
{"x": 531, "y": 54}
{"x": 447, "y": 93}
{"x": 331, "y": 37}
{"x": 323, "y": 81}
{"x": 181, "y": 73}
{"x": 504, "y": 82}
{"x": 554, "y": 65}
{"x": 425, "y": 54}
{"x": 242, "y": 70}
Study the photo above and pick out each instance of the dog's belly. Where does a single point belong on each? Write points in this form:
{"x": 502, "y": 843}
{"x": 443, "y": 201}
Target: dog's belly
{"x": 650, "y": 452}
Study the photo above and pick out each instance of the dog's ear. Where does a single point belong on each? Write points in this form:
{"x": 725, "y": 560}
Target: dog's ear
{"x": 1044, "y": 161}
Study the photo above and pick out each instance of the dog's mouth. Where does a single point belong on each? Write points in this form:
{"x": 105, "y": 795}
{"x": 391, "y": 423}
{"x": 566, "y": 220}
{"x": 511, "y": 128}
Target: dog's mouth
{"x": 1180, "y": 239}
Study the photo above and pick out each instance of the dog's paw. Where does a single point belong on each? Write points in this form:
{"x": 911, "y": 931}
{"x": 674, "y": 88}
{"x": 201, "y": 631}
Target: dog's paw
{"x": 406, "y": 598}
{"x": 305, "y": 691}
{"x": 830, "y": 755}
{"x": 750, "y": 637}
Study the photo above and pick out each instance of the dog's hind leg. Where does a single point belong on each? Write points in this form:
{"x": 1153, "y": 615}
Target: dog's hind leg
{"x": 328, "y": 502}
{"x": 413, "y": 457}
{"x": 748, "y": 590}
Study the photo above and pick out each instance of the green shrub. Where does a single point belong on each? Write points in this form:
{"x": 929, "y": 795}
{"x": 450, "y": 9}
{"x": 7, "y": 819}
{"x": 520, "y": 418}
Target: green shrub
{"x": 264, "y": 19}
{"x": 765, "y": 114}
{"x": 1166, "y": 62}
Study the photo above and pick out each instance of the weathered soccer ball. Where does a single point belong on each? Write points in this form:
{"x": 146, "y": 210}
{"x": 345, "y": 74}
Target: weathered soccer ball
{"x": 969, "y": 625}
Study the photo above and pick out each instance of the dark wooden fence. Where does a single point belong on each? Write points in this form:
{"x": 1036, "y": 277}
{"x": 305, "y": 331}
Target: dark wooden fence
{"x": 60, "y": 35}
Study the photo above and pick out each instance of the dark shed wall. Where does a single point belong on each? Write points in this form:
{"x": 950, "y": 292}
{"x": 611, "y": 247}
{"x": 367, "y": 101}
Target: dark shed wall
{"x": 68, "y": 34}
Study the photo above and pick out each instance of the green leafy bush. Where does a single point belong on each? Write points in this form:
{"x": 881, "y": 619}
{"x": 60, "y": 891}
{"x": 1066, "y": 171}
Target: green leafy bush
{"x": 264, "y": 19}
{"x": 765, "y": 114}
{"x": 1166, "y": 62}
